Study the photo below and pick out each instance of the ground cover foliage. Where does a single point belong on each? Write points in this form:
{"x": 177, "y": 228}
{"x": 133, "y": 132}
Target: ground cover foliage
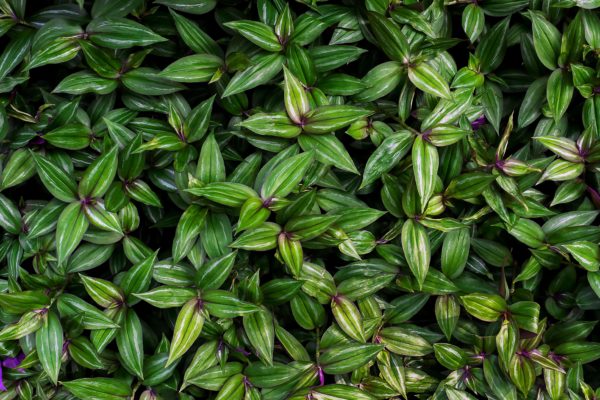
{"x": 332, "y": 200}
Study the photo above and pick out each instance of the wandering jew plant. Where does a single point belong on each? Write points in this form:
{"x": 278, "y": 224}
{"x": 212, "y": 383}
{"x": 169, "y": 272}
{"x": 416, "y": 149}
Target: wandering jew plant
{"x": 318, "y": 200}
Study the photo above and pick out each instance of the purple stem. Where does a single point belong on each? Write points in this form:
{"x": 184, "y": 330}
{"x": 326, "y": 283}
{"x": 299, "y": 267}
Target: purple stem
{"x": 321, "y": 376}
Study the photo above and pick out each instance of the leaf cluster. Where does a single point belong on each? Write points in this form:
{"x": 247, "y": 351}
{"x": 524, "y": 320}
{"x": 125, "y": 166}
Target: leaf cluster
{"x": 319, "y": 200}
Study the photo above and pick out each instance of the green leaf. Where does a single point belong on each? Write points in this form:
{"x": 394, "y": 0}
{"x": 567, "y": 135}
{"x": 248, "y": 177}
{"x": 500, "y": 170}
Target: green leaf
{"x": 18, "y": 169}
{"x": 98, "y": 216}
{"x": 403, "y": 342}
{"x": 130, "y": 344}
{"x": 468, "y": 185}
{"x": 262, "y": 238}
{"x": 496, "y": 379}
{"x": 346, "y": 358}
{"x": 555, "y": 382}
{"x": 234, "y": 388}
{"x": 214, "y": 273}
{"x": 416, "y": 246}
{"x": 527, "y": 232}
{"x": 99, "y": 175}
{"x": 500, "y": 8}
{"x": 10, "y": 217}
{"x": 58, "y": 51}
{"x": 308, "y": 227}
{"x": 256, "y": 32}
{"x": 187, "y": 329}
{"x": 263, "y": 69}
{"x": 486, "y": 307}
{"x": 72, "y": 225}
{"x": 341, "y": 84}
{"x": 105, "y": 293}
{"x": 99, "y": 388}
{"x": 454, "y": 394}
{"x": 507, "y": 343}
{"x": 425, "y": 167}
{"x": 415, "y": 19}
{"x": 141, "y": 191}
{"x": 388, "y": 33}
{"x": 291, "y": 252}
{"x": 586, "y": 253}
{"x": 473, "y": 21}
{"x": 327, "y": 58}
{"x": 354, "y": 218}
{"x": 392, "y": 370}
{"x": 55, "y": 179}
{"x": 226, "y": 193}
{"x": 455, "y": 252}
{"x": 194, "y": 68}
{"x": 590, "y": 24}
{"x": 188, "y": 228}
{"x": 492, "y": 252}
{"x": 559, "y": 93}
{"x": 197, "y": 122}
{"x": 138, "y": 278}
{"x": 215, "y": 377}
{"x": 450, "y": 356}
{"x": 284, "y": 24}
{"x": 445, "y": 135}
{"x": 328, "y": 150}
{"x": 204, "y": 358}
{"x": 328, "y": 119}
{"x": 167, "y": 296}
{"x": 260, "y": 331}
{"x": 49, "y": 345}
{"x": 348, "y": 317}
{"x": 223, "y": 304}
{"x": 194, "y": 37}
{"x": 24, "y": 301}
{"x": 380, "y": 81}
{"x": 286, "y": 176}
{"x": 492, "y": 99}
{"x": 216, "y": 235}
{"x": 70, "y": 137}
{"x": 561, "y": 170}
{"x": 562, "y": 147}
{"x": 26, "y": 325}
{"x": 252, "y": 214}
{"x": 121, "y": 33}
{"x": 447, "y": 313}
{"x": 532, "y": 103}
{"x": 584, "y": 352}
{"x": 86, "y": 82}
{"x": 83, "y": 352}
{"x": 526, "y": 315}
{"x": 295, "y": 97}
{"x": 492, "y": 46}
{"x": 100, "y": 60}
{"x": 72, "y": 307}
{"x": 15, "y": 52}
{"x": 522, "y": 374}
{"x": 594, "y": 281}
{"x": 387, "y": 155}
{"x": 277, "y": 125}
{"x": 546, "y": 39}
{"x": 210, "y": 164}
{"x": 424, "y": 77}
{"x": 342, "y": 392}
{"x": 190, "y": 6}
{"x": 148, "y": 81}
{"x": 267, "y": 376}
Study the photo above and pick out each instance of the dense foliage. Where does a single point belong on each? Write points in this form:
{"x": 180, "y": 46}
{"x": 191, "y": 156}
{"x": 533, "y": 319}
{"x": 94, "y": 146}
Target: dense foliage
{"x": 327, "y": 200}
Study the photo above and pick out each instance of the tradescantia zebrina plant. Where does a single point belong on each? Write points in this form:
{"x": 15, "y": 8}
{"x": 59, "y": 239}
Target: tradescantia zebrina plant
{"x": 326, "y": 200}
